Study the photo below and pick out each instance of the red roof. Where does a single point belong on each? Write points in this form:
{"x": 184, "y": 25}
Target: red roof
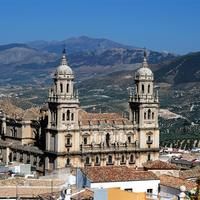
{"x": 158, "y": 164}
{"x": 175, "y": 182}
{"x": 117, "y": 173}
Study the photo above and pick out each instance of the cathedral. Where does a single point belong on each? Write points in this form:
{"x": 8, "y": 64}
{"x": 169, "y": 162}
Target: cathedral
{"x": 67, "y": 136}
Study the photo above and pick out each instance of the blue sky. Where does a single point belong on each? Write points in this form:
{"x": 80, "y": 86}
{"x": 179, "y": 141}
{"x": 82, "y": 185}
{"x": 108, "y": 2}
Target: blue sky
{"x": 171, "y": 25}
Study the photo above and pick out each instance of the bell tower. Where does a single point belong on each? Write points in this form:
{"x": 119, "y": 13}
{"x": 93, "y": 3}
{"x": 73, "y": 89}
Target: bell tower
{"x": 143, "y": 109}
{"x": 63, "y": 106}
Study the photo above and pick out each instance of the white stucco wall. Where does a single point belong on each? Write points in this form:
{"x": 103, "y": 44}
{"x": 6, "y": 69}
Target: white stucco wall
{"x": 137, "y": 186}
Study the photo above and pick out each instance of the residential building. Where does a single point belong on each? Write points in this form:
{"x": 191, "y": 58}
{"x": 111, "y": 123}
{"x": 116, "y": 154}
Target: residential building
{"x": 122, "y": 177}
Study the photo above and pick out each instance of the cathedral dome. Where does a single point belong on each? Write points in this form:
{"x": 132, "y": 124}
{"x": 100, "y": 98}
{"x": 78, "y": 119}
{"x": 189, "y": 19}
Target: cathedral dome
{"x": 63, "y": 68}
{"x": 144, "y": 71}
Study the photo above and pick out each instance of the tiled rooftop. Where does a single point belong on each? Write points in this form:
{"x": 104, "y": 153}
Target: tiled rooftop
{"x": 103, "y": 119}
{"x": 28, "y": 187}
{"x": 117, "y": 173}
{"x": 83, "y": 195}
{"x": 191, "y": 173}
{"x": 176, "y": 182}
{"x": 158, "y": 164}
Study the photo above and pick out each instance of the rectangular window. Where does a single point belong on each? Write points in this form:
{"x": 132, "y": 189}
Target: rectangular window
{"x": 128, "y": 189}
{"x": 63, "y": 116}
{"x": 85, "y": 140}
{"x": 68, "y": 140}
{"x": 150, "y": 191}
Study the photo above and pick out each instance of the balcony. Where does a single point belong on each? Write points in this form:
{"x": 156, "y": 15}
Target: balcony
{"x": 104, "y": 148}
{"x": 149, "y": 141}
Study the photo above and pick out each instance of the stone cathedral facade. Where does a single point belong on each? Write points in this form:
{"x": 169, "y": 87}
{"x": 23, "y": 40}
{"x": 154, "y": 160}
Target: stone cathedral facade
{"x": 77, "y": 138}
{"x": 72, "y": 137}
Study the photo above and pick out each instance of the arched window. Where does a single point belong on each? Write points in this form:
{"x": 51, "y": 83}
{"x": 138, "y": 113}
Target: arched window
{"x": 131, "y": 158}
{"x": 97, "y": 160}
{"x": 148, "y": 88}
{"x": 72, "y": 116}
{"x": 68, "y": 162}
{"x": 145, "y": 115}
{"x": 122, "y": 159}
{"x": 68, "y": 115}
{"x": 67, "y": 87}
{"x": 63, "y": 116}
{"x": 108, "y": 139}
{"x": 142, "y": 89}
{"x": 109, "y": 159}
{"x": 152, "y": 115}
{"x": 149, "y": 157}
{"x": 61, "y": 87}
{"x": 85, "y": 140}
{"x": 136, "y": 88}
{"x": 129, "y": 139}
{"x": 149, "y": 114}
{"x": 87, "y": 160}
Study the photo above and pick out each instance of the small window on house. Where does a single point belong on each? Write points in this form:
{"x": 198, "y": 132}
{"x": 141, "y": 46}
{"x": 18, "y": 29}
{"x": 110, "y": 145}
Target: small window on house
{"x": 63, "y": 116}
{"x": 129, "y": 139}
{"x": 68, "y": 115}
{"x": 85, "y": 140}
{"x": 72, "y": 116}
{"x": 87, "y": 160}
{"x": 67, "y": 87}
{"x": 128, "y": 189}
{"x": 142, "y": 89}
{"x": 149, "y": 191}
{"x": 145, "y": 115}
{"x": 149, "y": 138}
{"x": 61, "y": 87}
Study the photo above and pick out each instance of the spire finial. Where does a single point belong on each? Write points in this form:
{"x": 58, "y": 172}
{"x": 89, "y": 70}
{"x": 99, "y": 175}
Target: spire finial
{"x": 145, "y": 53}
{"x": 64, "y": 59}
{"x": 145, "y": 64}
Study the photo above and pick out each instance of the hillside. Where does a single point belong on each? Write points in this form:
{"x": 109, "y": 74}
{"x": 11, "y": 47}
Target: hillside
{"x": 183, "y": 69}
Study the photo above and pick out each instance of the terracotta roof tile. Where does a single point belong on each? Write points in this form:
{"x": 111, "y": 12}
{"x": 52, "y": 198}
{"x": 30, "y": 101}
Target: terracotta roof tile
{"x": 191, "y": 173}
{"x": 83, "y": 195}
{"x": 117, "y": 173}
{"x": 175, "y": 182}
{"x": 102, "y": 118}
{"x": 158, "y": 164}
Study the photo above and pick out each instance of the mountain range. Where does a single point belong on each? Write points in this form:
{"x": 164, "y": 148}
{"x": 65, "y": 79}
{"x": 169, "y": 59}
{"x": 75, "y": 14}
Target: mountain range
{"x": 88, "y": 57}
